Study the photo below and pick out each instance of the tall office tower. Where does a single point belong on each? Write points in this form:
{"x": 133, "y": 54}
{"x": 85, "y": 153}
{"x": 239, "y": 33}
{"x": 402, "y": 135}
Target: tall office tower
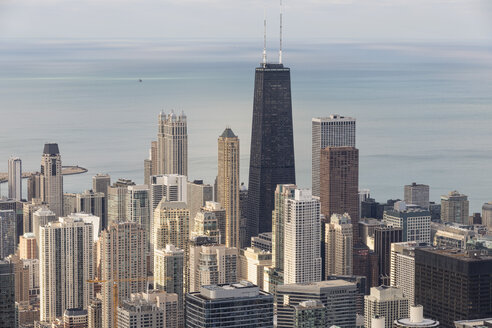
{"x": 28, "y": 210}
{"x": 197, "y": 195}
{"x": 147, "y": 171}
{"x": 7, "y": 296}
{"x": 155, "y": 309}
{"x": 15, "y": 178}
{"x": 66, "y": 264}
{"x": 279, "y": 217}
{"x": 416, "y": 319}
{"x": 338, "y": 246}
{"x": 138, "y": 209}
{"x": 366, "y": 264}
{"x": 302, "y": 238}
{"x": 205, "y": 224}
{"x": 154, "y": 158}
{"x": 172, "y": 144}
{"x": 487, "y": 215}
{"x": 27, "y": 246}
{"x": 387, "y": 302}
{"x": 228, "y": 184}
{"x": 169, "y": 272}
{"x": 34, "y": 186}
{"x": 171, "y": 225}
{"x": 75, "y": 318}
{"x": 384, "y": 237}
{"x": 243, "y": 206}
{"x": 417, "y": 194}
{"x": 69, "y": 203}
{"x": 238, "y": 305}
{"x": 212, "y": 265}
{"x": 124, "y": 265}
{"x": 92, "y": 202}
{"x": 170, "y": 187}
{"x": 21, "y": 278}
{"x": 309, "y": 314}
{"x": 252, "y": 264}
{"x": 414, "y": 221}
{"x": 338, "y": 296}
{"x": 339, "y": 184}
{"x": 453, "y": 285}
{"x": 91, "y": 219}
{"x": 100, "y": 183}
{"x": 454, "y": 208}
{"x": 94, "y": 313}
{"x": 272, "y": 144}
{"x": 52, "y": 178}
{"x": 117, "y": 195}
{"x": 40, "y": 218}
{"x": 8, "y": 233}
{"x": 332, "y": 131}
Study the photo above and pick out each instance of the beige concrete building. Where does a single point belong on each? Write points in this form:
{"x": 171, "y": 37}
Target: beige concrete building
{"x": 172, "y": 144}
{"x": 228, "y": 184}
{"x": 27, "y": 246}
{"x": 455, "y": 208}
{"x": 387, "y": 302}
{"x": 252, "y": 264}
{"x": 28, "y": 210}
{"x": 198, "y": 194}
{"x": 338, "y": 245}
{"x": 206, "y": 224}
{"x": 117, "y": 196}
{"x": 51, "y": 182}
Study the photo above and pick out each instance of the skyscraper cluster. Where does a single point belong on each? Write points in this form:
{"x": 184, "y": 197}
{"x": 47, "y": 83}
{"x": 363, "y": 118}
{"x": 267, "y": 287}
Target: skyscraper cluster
{"x": 174, "y": 252}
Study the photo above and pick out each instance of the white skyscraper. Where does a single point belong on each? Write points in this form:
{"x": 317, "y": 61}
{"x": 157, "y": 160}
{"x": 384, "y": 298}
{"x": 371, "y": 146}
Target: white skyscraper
{"x": 387, "y": 302}
{"x": 302, "y": 254}
{"x": 15, "y": 178}
{"x": 51, "y": 178}
{"x": 333, "y": 131}
{"x": 172, "y": 144}
{"x": 66, "y": 265}
{"x": 338, "y": 245}
{"x": 40, "y": 218}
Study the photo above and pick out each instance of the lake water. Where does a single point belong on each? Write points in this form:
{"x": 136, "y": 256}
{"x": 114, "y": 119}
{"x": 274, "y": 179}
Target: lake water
{"x": 424, "y": 111}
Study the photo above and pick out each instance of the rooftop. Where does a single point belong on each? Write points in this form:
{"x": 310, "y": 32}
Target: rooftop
{"x": 51, "y": 149}
{"x": 228, "y": 133}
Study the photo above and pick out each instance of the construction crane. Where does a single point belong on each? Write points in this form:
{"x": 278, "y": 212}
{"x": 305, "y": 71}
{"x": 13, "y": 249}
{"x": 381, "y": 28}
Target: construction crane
{"x": 115, "y": 291}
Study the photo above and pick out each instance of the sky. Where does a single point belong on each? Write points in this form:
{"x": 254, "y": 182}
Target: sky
{"x": 396, "y": 20}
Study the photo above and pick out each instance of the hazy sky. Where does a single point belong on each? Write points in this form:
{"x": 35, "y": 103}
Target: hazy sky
{"x": 450, "y": 20}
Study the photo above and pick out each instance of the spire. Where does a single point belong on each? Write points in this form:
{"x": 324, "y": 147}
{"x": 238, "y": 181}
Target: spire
{"x": 264, "y": 38}
{"x": 280, "y": 50}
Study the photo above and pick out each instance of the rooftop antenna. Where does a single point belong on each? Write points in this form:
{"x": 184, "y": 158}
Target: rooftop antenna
{"x": 264, "y": 38}
{"x": 280, "y": 51}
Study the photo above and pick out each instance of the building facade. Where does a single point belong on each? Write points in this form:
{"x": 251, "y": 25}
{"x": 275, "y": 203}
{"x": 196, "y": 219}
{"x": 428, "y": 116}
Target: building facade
{"x": 455, "y": 208}
{"x": 413, "y": 220}
{"x": 8, "y": 233}
{"x": 416, "y": 194}
{"x": 387, "y": 302}
{"x": 51, "y": 182}
{"x": 338, "y": 246}
{"x": 172, "y": 144}
{"x": 15, "y": 178}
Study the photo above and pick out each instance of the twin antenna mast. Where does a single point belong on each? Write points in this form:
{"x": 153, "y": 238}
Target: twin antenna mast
{"x": 265, "y": 38}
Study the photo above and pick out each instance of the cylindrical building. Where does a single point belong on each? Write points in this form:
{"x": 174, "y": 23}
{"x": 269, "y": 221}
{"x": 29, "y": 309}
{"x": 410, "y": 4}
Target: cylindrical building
{"x": 416, "y": 319}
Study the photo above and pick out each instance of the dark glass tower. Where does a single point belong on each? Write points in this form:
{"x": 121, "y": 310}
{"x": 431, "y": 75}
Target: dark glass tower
{"x": 272, "y": 145}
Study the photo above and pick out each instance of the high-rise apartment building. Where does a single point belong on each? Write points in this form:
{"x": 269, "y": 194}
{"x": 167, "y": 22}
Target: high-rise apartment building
{"x": 417, "y": 194}
{"x": 7, "y": 295}
{"x": 94, "y": 313}
{"x": 272, "y": 145}
{"x": 387, "y": 302}
{"x": 27, "y": 246}
{"x": 413, "y": 220}
{"x": 94, "y": 203}
{"x": 453, "y": 285}
{"x": 228, "y": 184}
{"x": 52, "y": 178}
{"x": 332, "y": 131}
{"x": 124, "y": 266}
{"x": 455, "y": 208}
{"x": 337, "y": 296}
{"x": 238, "y": 305}
{"x": 487, "y": 215}
{"x": 40, "y": 218}
{"x": 171, "y": 225}
{"x": 69, "y": 203}
{"x": 28, "y": 210}
{"x": 170, "y": 187}
{"x": 117, "y": 197}
{"x": 252, "y": 264}
{"x": 34, "y": 186}
{"x": 15, "y": 178}
{"x": 172, "y": 144}
{"x": 75, "y": 318}
{"x": 339, "y": 184}
{"x": 338, "y": 246}
{"x": 198, "y": 194}
{"x": 8, "y": 233}
{"x": 220, "y": 215}
{"x": 279, "y": 218}
{"x": 206, "y": 224}
{"x": 66, "y": 265}
{"x": 154, "y": 309}
{"x": 138, "y": 209}
{"x": 212, "y": 265}
{"x": 402, "y": 267}
{"x": 302, "y": 238}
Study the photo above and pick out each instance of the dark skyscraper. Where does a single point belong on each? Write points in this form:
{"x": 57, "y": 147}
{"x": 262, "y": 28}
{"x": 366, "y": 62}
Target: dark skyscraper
{"x": 272, "y": 144}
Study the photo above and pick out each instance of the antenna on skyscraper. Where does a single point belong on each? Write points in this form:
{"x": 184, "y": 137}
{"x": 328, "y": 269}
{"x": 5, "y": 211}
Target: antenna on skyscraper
{"x": 280, "y": 51}
{"x": 264, "y": 37}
